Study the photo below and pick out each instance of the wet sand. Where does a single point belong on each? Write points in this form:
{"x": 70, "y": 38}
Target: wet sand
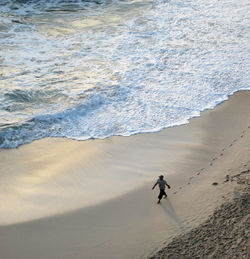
{"x": 93, "y": 199}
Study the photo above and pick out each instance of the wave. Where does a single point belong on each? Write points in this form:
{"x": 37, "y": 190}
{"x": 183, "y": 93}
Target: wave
{"x": 74, "y": 122}
{"x": 35, "y": 2}
{"x": 96, "y": 119}
{"x": 27, "y": 6}
{"x": 127, "y": 69}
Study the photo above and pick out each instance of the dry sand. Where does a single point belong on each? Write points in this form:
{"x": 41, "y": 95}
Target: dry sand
{"x": 93, "y": 199}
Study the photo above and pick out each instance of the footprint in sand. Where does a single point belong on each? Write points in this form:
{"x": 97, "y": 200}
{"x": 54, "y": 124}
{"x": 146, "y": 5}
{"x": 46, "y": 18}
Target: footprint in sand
{"x": 214, "y": 159}
{"x": 174, "y": 192}
{"x": 230, "y": 145}
{"x": 234, "y": 140}
{"x": 198, "y": 173}
{"x": 211, "y": 164}
{"x": 242, "y": 136}
{"x": 221, "y": 154}
{"x": 180, "y": 188}
{"x": 202, "y": 169}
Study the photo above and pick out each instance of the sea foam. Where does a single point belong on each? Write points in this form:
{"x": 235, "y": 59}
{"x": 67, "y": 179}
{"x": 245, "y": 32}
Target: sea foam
{"x": 86, "y": 70}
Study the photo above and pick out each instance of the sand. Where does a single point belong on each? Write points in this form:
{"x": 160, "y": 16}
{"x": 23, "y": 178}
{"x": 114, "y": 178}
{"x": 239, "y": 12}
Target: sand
{"x": 224, "y": 235}
{"x": 93, "y": 199}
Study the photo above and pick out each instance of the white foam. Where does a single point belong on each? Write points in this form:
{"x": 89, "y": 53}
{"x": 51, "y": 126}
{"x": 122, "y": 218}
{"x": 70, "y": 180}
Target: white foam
{"x": 119, "y": 68}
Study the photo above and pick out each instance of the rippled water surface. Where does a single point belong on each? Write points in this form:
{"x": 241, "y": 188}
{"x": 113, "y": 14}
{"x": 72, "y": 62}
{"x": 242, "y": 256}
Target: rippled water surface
{"x": 92, "y": 69}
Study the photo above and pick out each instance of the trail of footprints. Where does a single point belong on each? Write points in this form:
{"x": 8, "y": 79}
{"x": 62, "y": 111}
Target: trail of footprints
{"x": 211, "y": 162}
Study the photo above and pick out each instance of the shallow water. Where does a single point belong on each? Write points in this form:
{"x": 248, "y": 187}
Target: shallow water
{"x": 93, "y": 69}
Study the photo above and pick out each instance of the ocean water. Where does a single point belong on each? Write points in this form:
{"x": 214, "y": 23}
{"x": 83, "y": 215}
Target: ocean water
{"x": 93, "y": 69}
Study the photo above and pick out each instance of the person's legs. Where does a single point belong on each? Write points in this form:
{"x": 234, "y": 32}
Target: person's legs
{"x": 165, "y": 195}
{"x": 162, "y": 192}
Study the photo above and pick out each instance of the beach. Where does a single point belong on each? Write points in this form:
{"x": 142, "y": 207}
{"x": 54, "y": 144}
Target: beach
{"x": 93, "y": 199}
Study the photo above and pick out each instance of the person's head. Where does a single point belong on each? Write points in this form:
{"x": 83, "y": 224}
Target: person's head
{"x": 161, "y": 177}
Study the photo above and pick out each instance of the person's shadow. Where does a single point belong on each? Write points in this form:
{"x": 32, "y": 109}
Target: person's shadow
{"x": 168, "y": 208}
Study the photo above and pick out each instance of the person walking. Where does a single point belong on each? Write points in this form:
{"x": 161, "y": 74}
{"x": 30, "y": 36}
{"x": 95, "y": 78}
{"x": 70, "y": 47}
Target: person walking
{"x": 162, "y": 184}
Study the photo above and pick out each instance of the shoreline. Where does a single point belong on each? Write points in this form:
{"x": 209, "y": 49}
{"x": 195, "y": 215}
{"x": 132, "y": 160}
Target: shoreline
{"x": 156, "y": 130}
{"x": 93, "y": 199}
